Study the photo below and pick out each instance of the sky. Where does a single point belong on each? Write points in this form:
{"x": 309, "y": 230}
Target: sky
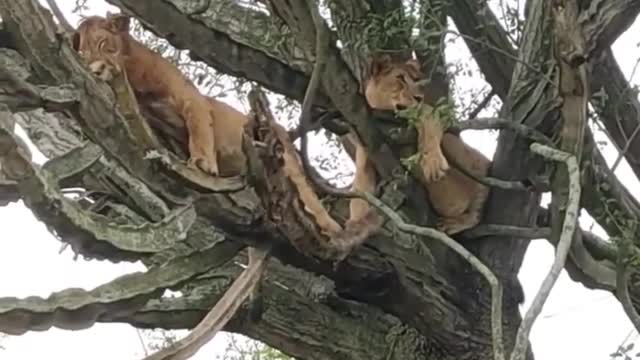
{"x": 576, "y": 322}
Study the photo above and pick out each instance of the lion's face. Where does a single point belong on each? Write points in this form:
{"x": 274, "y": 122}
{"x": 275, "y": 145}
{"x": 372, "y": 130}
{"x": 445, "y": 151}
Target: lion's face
{"x": 101, "y": 43}
{"x": 393, "y": 85}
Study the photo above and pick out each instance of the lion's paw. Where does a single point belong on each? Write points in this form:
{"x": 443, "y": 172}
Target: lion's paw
{"x": 455, "y": 225}
{"x": 104, "y": 70}
{"x": 434, "y": 166}
{"x": 204, "y": 164}
{"x": 447, "y": 227}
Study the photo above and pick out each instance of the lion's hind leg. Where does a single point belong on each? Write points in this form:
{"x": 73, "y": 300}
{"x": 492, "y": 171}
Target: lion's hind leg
{"x": 470, "y": 217}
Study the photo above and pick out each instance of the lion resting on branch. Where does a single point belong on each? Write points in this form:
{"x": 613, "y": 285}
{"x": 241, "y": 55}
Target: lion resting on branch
{"x": 214, "y": 132}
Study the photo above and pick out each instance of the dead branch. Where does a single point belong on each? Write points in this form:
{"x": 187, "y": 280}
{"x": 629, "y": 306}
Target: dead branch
{"x": 221, "y": 313}
{"x": 562, "y": 249}
{"x": 282, "y": 175}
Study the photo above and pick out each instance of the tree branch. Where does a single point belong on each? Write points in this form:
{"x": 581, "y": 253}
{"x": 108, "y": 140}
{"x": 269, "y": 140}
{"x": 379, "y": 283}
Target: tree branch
{"x": 562, "y": 250}
{"x": 496, "y": 288}
{"x": 603, "y": 21}
{"x": 221, "y": 313}
{"x": 622, "y": 282}
{"x": 41, "y": 194}
{"x": 60, "y": 16}
{"x": 76, "y": 309}
{"x": 358, "y": 331}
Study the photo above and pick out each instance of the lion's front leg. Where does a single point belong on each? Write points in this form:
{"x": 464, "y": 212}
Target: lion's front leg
{"x": 432, "y": 162}
{"x": 200, "y": 127}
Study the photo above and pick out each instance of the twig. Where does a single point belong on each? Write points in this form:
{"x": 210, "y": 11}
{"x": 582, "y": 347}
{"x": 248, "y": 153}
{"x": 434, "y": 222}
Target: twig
{"x": 562, "y": 250}
{"x": 221, "y": 313}
{"x": 483, "y": 104}
{"x": 142, "y": 344}
{"x": 496, "y": 287}
{"x": 624, "y": 150}
{"x": 60, "y": 16}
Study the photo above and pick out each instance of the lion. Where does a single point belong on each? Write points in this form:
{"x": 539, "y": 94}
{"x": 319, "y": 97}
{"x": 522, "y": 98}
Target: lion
{"x": 457, "y": 199}
{"x": 214, "y": 128}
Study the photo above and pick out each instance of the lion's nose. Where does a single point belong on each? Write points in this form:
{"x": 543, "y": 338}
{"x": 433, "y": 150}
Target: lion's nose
{"x": 97, "y": 67}
{"x": 400, "y": 107}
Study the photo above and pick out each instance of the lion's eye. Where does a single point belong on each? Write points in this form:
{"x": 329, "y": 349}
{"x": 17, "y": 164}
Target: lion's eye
{"x": 401, "y": 78}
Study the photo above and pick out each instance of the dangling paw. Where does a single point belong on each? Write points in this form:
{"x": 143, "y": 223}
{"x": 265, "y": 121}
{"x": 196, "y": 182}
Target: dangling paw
{"x": 434, "y": 166}
{"x": 207, "y": 165}
{"x": 455, "y": 225}
{"x": 104, "y": 70}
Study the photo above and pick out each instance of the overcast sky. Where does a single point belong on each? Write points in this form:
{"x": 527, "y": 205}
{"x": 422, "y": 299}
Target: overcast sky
{"x": 576, "y": 322}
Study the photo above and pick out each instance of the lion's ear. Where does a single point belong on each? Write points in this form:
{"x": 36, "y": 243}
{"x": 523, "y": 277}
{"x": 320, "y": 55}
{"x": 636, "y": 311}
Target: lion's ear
{"x": 118, "y": 22}
{"x": 378, "y": 64}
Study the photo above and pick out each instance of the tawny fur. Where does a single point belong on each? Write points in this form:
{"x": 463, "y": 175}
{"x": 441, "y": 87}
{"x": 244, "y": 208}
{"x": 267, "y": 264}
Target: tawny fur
{"x": 457, "y": 199}
{"x": 214, "y": 128}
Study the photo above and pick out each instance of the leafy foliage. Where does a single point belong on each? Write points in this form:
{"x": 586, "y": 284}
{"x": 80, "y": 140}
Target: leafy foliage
{"x": 242, "y": 348}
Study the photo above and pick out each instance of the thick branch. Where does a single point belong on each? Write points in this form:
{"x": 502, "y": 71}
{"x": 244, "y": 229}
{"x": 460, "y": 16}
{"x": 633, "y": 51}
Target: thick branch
{"x": 604, "y": 20}
{"x": 333, "y": 328}
{"x": 76, "y": 309}
{"x": 218, "y": 317}
{"x": 41, "y": 194}
{"x": 618, "y": 106}
{"x": 496, "y": 287}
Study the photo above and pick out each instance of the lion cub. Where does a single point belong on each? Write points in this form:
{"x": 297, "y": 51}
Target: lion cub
{"x": 455, "y": 197}
{"x": 214, "y": 128}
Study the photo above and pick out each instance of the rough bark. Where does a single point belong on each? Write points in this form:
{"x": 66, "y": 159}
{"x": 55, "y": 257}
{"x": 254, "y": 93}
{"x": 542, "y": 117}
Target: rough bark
{"x": 588, "y": 265}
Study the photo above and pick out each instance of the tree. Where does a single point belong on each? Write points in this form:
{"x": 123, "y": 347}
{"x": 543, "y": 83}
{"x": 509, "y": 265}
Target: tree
{"x": 400, "y": 295}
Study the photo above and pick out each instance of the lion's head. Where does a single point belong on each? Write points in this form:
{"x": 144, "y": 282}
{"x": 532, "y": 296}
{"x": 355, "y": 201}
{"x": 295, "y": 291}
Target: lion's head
{"x": 101, "y": 43}
{"x": 392, "y": 84}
